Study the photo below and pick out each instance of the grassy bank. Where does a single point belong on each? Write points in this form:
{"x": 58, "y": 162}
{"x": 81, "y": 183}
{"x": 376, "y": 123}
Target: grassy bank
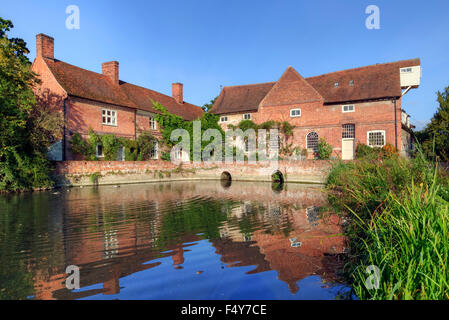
{"x": 398, "y": 221}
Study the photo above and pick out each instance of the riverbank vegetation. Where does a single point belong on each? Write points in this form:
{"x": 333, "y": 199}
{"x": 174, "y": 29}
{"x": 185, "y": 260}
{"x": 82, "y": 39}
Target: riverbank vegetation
{"x": 398, "y": 221}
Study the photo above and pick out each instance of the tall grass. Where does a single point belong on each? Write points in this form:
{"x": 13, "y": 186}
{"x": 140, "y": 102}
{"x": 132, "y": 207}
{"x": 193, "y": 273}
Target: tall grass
{"x": 398, "y": 213}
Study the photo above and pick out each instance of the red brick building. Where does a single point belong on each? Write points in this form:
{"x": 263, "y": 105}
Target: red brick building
{"x": 102, "y": 102}
{"x": 361, "y": 105}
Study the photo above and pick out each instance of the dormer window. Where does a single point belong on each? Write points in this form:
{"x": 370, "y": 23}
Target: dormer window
{"x": 351, "y": 82}
{"x": 336, "y": 84}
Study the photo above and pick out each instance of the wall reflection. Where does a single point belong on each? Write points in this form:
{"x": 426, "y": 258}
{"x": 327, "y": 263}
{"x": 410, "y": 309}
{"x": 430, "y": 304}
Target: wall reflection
{"x": 111, "y": 233}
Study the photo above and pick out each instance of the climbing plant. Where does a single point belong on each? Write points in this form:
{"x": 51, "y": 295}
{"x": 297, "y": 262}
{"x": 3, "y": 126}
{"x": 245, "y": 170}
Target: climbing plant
{"x": 134, "y": 150}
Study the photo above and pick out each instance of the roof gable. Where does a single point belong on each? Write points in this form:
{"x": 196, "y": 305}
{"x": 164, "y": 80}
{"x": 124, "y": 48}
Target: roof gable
{"x": 291, "y": 88}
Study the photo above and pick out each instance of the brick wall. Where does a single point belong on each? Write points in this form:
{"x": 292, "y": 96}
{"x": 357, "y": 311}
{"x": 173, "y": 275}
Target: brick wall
{"x": 327, "y": 121}
{"x": 115, "y": 172}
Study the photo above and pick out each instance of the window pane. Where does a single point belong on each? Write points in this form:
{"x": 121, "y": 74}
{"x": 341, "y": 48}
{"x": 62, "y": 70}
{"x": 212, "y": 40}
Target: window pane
{"x": 348, "y": 131}
{"x": 376, "y": 139}
{"x": 312, "y": 141}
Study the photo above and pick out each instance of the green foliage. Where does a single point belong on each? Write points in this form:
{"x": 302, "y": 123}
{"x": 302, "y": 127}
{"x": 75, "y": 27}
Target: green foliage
{"x": 398, "y": 221}
{"x": 364, "y": 151}
{"x": 23, "y": 164}
{"x": 324, "y": 149}
{"x": 134, "y": 150}
{"x": 145, "y": 144}
{"x": 208, "y": 106}
{"x": 169, "y": 122}
{"x": 267, "y": 125}
{"x": 435, "y": 137}
{"x": 287, "y": 128}
{"x": 247, "y": 124}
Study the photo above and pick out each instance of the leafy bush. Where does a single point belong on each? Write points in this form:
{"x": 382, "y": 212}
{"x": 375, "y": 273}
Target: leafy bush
{"x": 364, "y": 151}
{"x": 247, "y": 124}
{"x": 324, "y": 149}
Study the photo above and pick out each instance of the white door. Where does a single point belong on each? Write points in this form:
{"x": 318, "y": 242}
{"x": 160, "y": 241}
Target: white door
{"x": 347, "y": 149}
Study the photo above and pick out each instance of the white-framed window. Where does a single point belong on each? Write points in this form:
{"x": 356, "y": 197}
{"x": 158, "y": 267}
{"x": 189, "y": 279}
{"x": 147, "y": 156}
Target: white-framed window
{"x": 312, "y": 141}
{"x": 109, "y": 117}
{"x": 336, "y": 84}
{"x": 295, "y": 113}
{"x": 376, "y": 138}
{"x": 348, "y": 108}
{"x": 247, "y": 116}
{"x": 351, "y": 83}
{"x": 154, "y": 151}
{"x": 224, "y": 119}
{"x": 99, "y": 151}
{"x": 153, "y": 123}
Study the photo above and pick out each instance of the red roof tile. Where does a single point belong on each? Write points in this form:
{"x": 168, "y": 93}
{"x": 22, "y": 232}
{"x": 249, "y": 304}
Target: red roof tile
{"x": 241, "y": 98}
{"x": 291, "y": 88}
{"x": 95, "y": 86}
{"x": 370, "y": 82}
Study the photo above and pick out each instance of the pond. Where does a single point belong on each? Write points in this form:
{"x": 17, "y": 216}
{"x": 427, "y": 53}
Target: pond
{"x": 174, "y": 240}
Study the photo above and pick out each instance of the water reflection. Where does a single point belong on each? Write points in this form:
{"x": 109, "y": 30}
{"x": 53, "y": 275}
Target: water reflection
{"x": 182, "y": 240}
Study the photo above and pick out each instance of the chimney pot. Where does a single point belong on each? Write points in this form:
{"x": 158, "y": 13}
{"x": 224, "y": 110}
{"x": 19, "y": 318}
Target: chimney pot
{"x": 45, "y": 46}
{"x": 110, "y": 69}
{"x": 177, "y": 92}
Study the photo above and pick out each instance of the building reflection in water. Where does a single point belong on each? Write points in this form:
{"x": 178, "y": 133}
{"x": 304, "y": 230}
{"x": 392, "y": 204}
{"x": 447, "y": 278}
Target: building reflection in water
{"x": 111, "y": 233}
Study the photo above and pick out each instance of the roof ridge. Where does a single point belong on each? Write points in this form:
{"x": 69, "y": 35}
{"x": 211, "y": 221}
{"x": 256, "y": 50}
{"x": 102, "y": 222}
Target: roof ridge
{"x": 364, "y": 67}
{"x": 251, "y": 84}
{"x": 72, "y": 65}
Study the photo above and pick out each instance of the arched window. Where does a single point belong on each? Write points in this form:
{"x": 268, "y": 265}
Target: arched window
{"x": 312, "y": 141}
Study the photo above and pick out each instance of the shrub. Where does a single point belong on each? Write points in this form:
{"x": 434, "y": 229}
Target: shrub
{"x": 324, "y": 149}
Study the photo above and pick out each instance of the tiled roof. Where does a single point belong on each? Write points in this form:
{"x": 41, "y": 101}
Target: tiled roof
{"x": 291, "y": 88}
{"x": 370, "y": 82}
{"x": 95, "y": 86}
{"x": 241, "y": 98}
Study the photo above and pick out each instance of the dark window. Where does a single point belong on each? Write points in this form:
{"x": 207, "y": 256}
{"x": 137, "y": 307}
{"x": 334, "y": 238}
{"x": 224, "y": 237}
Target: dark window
{"x": 312, "y": 141}
{"x": 348, "y": 131}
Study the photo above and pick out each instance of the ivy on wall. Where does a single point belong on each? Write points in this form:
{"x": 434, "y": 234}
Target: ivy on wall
{"x": 135, "y": 150}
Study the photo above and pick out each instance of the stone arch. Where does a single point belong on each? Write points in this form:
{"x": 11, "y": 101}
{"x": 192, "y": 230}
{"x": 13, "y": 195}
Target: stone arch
{"x": 277, "y": 177}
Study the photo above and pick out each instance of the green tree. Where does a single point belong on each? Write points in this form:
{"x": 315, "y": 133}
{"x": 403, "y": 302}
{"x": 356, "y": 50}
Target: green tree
{"x": 208, "y": 106}
{"x": 435, "y": 137}
{"x": 22, "y": 166}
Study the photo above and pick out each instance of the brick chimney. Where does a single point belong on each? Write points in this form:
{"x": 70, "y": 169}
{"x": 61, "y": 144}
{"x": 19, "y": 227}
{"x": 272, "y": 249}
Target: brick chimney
{"x": 45, "y": 46}
{"x": 110, "y": 69}
{"x": 177, "y": 92}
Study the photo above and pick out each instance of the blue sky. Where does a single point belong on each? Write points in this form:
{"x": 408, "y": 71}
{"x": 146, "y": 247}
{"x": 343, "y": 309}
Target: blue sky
{"x": 208, "y": 43}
